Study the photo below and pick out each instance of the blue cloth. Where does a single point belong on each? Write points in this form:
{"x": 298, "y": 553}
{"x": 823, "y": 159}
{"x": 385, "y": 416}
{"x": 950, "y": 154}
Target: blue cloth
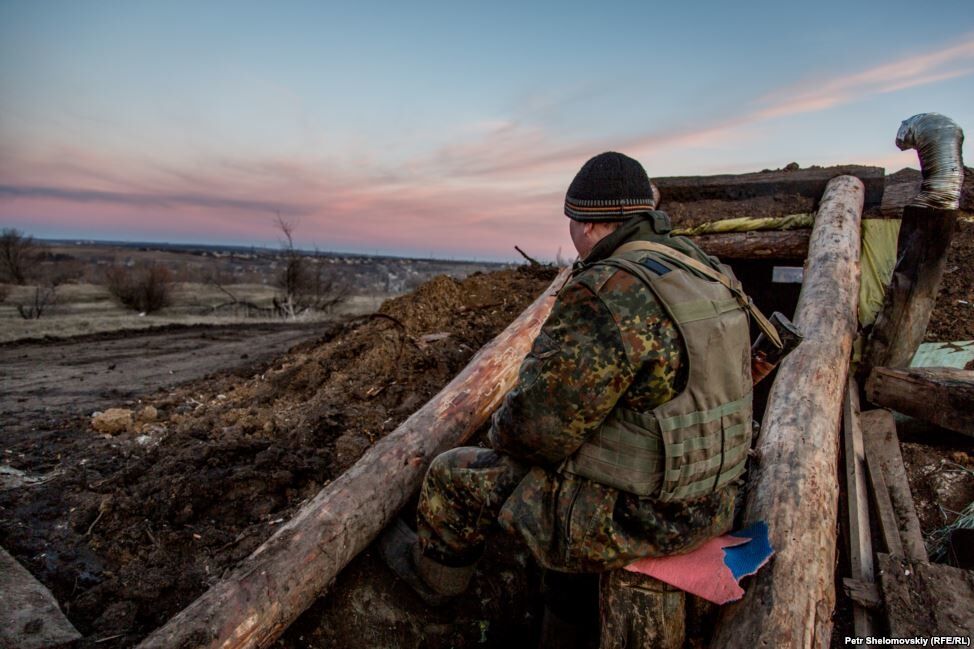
{"x": 747, "y": 558}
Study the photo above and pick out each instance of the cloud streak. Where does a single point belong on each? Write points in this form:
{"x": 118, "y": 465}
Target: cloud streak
{"x": 500, "y": 185}
{"x": 151, "y": 200}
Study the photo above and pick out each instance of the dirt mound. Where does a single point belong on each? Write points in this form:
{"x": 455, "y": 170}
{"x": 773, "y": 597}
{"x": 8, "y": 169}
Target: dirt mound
{"x": 156, "y": 515}
{"x": 953, "y": 314}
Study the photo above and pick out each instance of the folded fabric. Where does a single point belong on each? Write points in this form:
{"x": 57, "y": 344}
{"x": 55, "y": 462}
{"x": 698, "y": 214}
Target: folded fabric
{"x": 713, "y": 570}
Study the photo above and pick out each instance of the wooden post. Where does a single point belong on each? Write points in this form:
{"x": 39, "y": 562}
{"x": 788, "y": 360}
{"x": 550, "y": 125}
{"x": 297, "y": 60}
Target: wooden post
{"x": 639, "y": 612}
{"x": 794, "y": 487}
{"x": 941, "y": 395}
{"x": 257, "y": 601}
{"x": 860, "y": 538}
{"x": 882, "y": 443}
{"x": 922, "y": 253}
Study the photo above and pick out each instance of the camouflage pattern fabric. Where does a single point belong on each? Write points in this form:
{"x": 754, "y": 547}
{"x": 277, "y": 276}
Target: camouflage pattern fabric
{"x": 607, "y": 342}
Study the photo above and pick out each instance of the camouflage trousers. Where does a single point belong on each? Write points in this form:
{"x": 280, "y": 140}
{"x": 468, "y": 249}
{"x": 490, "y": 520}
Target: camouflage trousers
{"x": 569, "y": 524}
{"x": 462, "y": 494}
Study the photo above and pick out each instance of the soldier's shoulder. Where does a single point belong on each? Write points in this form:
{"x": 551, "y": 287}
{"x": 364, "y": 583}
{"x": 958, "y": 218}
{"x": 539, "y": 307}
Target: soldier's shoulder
{"x": 614, "y": 286}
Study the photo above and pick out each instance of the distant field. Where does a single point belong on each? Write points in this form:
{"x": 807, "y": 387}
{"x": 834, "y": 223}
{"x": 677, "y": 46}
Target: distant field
{"x": 89, "y": 308}
{"x": 85, "y": 306}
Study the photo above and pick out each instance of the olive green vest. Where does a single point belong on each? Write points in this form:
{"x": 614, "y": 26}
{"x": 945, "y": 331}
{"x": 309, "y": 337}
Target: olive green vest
{"x": 698, "y": 441}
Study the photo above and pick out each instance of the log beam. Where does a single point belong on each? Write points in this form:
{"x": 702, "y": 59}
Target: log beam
{"x": 943, "y": 396}
{"x": 765, "y": 244}
{"x": 690, "y": 200}
{"x": 794, "y": 486}
{"x": 257, "y": 601}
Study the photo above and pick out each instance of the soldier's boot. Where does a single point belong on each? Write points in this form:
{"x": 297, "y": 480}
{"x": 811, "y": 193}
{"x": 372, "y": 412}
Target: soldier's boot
{"x": 435, "y": 583}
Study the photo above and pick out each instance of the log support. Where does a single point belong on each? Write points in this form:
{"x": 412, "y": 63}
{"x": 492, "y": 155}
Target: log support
{"x": 794, "y": 485}
{"x": 943, "y": 396}
{"x": 922, "y": 246}
{"x": 259, "y": 600}
{"x": 764, "y": 244}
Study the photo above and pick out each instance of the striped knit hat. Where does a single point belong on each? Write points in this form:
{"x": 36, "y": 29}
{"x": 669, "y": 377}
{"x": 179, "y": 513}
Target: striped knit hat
{"x": 609, "y": 187}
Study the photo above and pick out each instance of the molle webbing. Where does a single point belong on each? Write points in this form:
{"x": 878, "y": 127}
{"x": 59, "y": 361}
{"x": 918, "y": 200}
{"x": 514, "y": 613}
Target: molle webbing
{"x": 698, "y": 441}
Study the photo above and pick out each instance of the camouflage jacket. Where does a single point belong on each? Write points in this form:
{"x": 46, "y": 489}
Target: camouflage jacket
{"x": 608, "y": 341}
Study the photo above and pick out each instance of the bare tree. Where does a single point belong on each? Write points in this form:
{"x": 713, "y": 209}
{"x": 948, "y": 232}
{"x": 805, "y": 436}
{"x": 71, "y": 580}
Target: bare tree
{"x": 18, "y": 253}
{"x": 145, "y": 289}
{"x": 44, "y": 297}
{"x": 304, "y": 282}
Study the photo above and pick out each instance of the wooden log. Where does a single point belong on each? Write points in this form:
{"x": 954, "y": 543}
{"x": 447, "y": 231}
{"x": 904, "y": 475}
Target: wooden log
{"x": 258, "y": 600}
{"x": 940, "y": 395}
{"x": 765, "y": 244}
{"x": 29, "y": 615}
{"x": 794, "y": 487}
{"x": 860, "y": 538}
{"x": 691, "y": 200}
{"x": 922, "y": 246}
{"x": 883, "y": 444}
{"x": 639, "y": 612}
{"x": 926, "y": 599}
{"x": 889, "y": 528}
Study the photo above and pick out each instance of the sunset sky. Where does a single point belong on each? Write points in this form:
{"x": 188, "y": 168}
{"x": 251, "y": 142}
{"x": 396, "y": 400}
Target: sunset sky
{"x": 447, "y": 129}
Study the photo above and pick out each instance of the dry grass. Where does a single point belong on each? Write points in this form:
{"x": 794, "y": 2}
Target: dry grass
{"x": 89, "y": 308}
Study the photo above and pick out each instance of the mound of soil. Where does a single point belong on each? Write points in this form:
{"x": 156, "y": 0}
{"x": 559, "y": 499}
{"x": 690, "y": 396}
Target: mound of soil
{"x": 127, "y": 530}
{"x": 953, "y": 316}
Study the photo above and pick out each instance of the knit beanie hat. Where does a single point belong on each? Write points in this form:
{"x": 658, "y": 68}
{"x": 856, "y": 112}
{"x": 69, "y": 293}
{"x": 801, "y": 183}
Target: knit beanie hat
{"x": 609, "y": 187}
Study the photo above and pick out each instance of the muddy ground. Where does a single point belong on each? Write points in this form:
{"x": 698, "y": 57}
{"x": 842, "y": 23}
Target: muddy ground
{"x": 128, "y": 529}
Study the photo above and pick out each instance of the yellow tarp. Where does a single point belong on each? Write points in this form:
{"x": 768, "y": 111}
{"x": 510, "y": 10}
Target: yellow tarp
{"x": 878, "y": 259}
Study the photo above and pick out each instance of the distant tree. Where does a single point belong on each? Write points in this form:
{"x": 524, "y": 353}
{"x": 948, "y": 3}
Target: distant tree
{"x": 305, "y": 285}
{"x": 146, "y": 289}
{"x": 43, "y": 297}
{"x": 18, "y": 253}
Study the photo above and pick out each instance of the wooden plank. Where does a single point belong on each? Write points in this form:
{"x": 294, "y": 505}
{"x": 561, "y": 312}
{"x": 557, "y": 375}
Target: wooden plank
{"x": 857, "y": 506}
{"x": 691, "y": 200}
{"x": 29, "y": 615}
{"x": 882, "y": 443}
{"x": 639, "y": 612}
{"x": 926, "y": 599}
{"x": 922, "y": 246}
{"x": 765, "y": 244}
{"x": 255, "y": 603}
{"x": 940, "y": 395}
{"x": 862, "y": 593}
{"x": 888, "y": 526}
{"x": 795, "y": 477}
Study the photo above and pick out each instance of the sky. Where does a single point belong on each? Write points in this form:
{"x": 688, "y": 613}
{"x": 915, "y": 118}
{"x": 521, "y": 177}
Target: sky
{"x": 448, "y": 129}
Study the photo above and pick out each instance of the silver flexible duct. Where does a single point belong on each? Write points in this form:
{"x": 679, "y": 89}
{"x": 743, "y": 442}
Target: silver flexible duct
{"x": 938, "y": 141}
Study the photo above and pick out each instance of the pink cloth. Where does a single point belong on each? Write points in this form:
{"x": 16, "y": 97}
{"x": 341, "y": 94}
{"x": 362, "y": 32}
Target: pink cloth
{"x": 702, "y": 572}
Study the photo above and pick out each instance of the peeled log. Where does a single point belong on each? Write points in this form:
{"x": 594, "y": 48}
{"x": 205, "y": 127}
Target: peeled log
{"x": 275, "y": 584}
{"x": 764, "y": 244}
{"x": 944, "y": 396}
{"x": 794, "y": 484}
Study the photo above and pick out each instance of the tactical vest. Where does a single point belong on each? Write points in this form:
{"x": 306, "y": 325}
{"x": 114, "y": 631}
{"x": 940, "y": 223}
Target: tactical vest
{"x": 698, "y": 441}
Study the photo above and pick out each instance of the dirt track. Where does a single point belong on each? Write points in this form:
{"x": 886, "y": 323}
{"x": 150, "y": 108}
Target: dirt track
{"x": 48, "y": 380}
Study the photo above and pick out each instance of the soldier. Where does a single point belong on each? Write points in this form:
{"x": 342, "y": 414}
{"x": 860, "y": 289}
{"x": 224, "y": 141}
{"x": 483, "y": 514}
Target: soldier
{"x": 630, "y": 421}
